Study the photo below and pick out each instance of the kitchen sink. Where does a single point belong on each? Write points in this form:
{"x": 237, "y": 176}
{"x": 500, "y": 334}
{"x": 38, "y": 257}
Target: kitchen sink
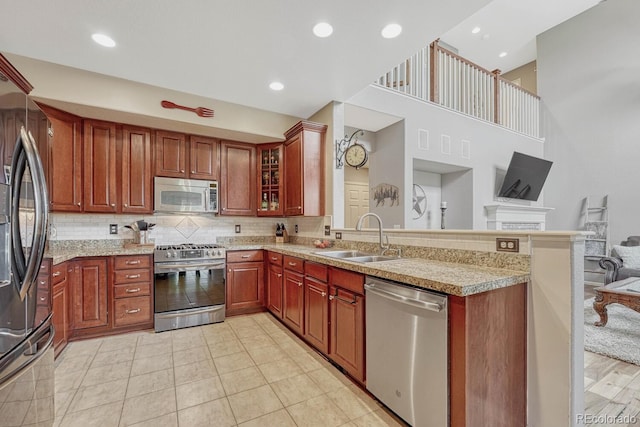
{"x": 341, "y": 254}
{"x": 371, "y": 258}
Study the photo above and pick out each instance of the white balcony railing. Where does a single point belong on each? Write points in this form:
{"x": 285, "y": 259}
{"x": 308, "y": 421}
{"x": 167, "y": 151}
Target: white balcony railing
{"x": 438, "y": 75}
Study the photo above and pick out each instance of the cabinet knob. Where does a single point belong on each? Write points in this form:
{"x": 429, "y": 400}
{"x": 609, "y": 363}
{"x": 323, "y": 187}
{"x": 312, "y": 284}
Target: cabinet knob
{"x": 324, "y": 294}
{"x": 78, "y": 203}
{"x": 330, "y": 297}
{"x": 113, "y": 205}
{"x": 126, "y": 205}
{"x": 278, "y": 275}
{"x": 293, "y": 264}
{"x": 181, "y": 170}
{"x": 42, "y": 282}
{"x": 299, "y": 283}
{"x": 273, "y": 258}
{"x": 43, "y": 299}
{"x": 193, "y": 171}
{"x": 229, "y": 270}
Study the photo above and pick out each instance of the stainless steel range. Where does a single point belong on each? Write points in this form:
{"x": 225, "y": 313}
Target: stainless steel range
{"x": 189, "y": 285}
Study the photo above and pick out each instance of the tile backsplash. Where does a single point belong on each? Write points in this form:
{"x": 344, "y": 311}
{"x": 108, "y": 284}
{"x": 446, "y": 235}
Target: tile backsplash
{"x": 173, "y": 228}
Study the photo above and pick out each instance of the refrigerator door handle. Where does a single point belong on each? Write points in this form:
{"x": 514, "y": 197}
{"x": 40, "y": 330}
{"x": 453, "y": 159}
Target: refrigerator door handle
{"x": 25, "y": 154}
{"x": 21, "y": 356}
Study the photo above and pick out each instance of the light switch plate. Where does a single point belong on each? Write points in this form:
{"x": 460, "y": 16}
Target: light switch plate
{"x": 113, "y": 228}
{"x": 338, "y": 235}
{"x": 327, "y": 230}
{"x": 238, "y": 228}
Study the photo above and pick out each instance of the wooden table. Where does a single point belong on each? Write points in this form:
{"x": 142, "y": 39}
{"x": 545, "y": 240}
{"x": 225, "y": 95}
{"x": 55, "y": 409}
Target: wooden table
{"x": 625, "y": 292}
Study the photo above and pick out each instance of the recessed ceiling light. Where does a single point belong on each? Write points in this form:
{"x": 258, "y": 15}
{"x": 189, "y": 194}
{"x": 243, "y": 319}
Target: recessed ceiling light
{"x": 322, "y": 29}
{"x": 103, "y": 40}
{"x": 502, "y": 54}
{"x": 276, "y": 86}
{"x": 475, "y": 30}
{"x": 391, "y": 31}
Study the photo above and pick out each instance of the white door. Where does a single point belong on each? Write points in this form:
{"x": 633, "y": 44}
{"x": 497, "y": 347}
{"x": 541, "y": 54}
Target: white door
{"x": 356, "y": 203}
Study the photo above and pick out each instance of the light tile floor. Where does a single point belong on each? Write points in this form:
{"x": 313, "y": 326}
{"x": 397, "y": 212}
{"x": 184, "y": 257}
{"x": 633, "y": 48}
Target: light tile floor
{"x": 247, "y": 371}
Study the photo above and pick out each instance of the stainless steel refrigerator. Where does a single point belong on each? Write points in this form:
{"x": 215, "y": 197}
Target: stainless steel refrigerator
{"x": 26, "y": 330}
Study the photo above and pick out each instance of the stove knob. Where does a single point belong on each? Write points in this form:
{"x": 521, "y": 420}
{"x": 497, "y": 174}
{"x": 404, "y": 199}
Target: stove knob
{"x": 168, "y": 254}
{"x": 209, "y": 253}
{"x": 219, "y": 252}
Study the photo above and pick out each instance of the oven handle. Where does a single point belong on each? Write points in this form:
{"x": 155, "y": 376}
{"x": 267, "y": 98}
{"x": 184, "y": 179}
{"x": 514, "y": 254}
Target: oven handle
{"x": 206, "y": 266}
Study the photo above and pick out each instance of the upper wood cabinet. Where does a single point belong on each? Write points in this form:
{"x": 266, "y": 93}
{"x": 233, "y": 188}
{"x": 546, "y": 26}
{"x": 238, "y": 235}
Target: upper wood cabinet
{"x": 237, "y": 178}
{"x": 304, "y": 169}
{"x": 196, "y": 157}
{"x": 270, "y": 179}
{"x": 100, "y": 188}
{"x": 204, "y": 158}
{"x": 64, "y": 160}
{"x": 171, "y": 154}
{"x": 136, "y": 176}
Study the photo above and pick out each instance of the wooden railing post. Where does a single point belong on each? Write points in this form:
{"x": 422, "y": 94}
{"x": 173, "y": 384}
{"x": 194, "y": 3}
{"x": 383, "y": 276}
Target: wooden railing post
{"x": 433, "y": 77}
{"x": 496, "y": 95}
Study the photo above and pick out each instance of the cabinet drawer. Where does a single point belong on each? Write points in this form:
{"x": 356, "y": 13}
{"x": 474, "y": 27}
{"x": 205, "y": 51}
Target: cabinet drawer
{"x": 132, "y": 261}
{"x": 132, "y": 276}
{"x": 133, "y": 290}
{"x": 129, "y": 311}
{"x": 347, "y": 279}
{"x": 294, "y": 264}
{"x": 275, "y": 258}
{"x": 244, "y": 256}
{"x": 59, "y": 273}
{"x": 315, "y": 270}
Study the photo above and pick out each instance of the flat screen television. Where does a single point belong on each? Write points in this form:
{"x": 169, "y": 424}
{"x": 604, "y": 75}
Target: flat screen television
{"x": 525, "y": 177}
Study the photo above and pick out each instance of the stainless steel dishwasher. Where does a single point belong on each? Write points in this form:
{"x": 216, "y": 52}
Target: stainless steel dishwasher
{"x": 406, "y": 357}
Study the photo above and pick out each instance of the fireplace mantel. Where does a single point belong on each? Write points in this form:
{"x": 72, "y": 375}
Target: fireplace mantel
{"x": 516, "y": 217}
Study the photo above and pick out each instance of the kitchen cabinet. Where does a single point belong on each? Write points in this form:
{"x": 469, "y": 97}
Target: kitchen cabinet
{"x": 89, "y": 292}
{"x": 204, "y": 158}
{"x": 64, "y": 160}
{"x": 60, "y": 306}
{"x": 135, "y": 171}
{"x": 304, "y": 169}
{"x": 274, "y": 283}
{"x": 99, "y": 171}
{"x": 347, "y": 305}
{"x": 195, "y": 157}
{"x": 269, "y": 179}
{"x": 133, "y": 291}
{"x": 237, "y": 178}
{"x": 171, "y": 154}
{"x": 245, "y": 282}
{"x": 316, "y": 306}
{"x": 293, "y": 294}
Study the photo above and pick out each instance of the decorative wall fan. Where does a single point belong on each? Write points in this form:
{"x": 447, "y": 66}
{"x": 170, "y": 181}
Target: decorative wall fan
{"x": 419, "y": 202}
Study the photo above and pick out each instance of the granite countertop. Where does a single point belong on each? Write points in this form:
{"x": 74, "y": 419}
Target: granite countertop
{"x": 452, "y": 278}
{"x": 447, "y": 277}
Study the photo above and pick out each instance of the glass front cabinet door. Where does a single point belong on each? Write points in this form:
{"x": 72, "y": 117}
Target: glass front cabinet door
{"x": 269, "y": 179}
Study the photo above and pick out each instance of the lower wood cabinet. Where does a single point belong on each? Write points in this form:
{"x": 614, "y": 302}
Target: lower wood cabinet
{"x": 346, "y": 342}
{"x": 60, "y": 306}
{"x": 316, "y": 306}
{"x": 108, "y": 294}
{"x": 245, "y": 282}
{"x": 274, "y": 284}
{"x": 293, "y": 294}
{"x": 89, "y": 293}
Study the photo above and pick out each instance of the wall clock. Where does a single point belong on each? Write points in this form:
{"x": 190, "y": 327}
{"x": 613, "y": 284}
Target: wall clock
{"x": 356, "y": 156}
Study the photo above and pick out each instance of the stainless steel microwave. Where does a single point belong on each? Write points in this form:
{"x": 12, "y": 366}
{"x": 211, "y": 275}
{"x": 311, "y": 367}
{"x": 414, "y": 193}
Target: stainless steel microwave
{"x": 185, "y": 195}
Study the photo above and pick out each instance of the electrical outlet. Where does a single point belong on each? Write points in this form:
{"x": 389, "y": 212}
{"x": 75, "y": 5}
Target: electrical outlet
{"x": 295, "y": 228}
{"x": 113, "y": 228}
{"x": 327, "y": 230}
{"x": 338, "y": 235}
{"x": 507, "y": 245}
{"x": 238, "y": 228}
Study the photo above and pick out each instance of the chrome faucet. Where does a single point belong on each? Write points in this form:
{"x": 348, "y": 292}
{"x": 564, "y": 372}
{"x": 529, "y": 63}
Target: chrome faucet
{"x": 383, "y": 247}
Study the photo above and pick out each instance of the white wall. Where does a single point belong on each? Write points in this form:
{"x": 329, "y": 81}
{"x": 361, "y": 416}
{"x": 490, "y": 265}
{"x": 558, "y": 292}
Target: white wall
{"x": 588, "y": 70}
{"x": 436, "y": 134}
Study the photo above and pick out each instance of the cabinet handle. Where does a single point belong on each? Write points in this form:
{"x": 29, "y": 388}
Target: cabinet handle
{"x": 245, "y": 256}
{"x": 57, "y": 273}
{"x": 132, "y": 291}
{"x": 137, "y": 310}
{"x": 43, "y": 298}
{"x": 273, "y": 258}
{"x": 42, "y": 282}
{"x": 332, "y": 297}
{"x": 132, "y": 276}
{"x": 293, "y": 264}
{"x": 132, "y": 262}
